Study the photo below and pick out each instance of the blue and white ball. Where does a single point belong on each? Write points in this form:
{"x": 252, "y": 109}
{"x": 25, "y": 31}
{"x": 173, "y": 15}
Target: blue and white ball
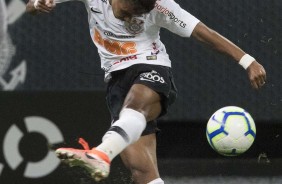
{"x": 231, "y": 131}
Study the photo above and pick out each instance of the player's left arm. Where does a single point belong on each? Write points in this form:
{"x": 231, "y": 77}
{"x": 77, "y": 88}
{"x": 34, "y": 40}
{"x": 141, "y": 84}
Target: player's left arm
{"x": 256, "y": 72}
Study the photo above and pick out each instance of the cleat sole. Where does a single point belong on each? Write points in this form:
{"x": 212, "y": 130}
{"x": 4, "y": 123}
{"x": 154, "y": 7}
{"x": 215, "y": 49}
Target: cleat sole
{"x": 79, "y": 159}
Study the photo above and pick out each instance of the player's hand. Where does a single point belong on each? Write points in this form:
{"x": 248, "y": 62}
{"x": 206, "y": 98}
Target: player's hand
{"x": 257, "y": 75}
{"x": 44, "y": 6}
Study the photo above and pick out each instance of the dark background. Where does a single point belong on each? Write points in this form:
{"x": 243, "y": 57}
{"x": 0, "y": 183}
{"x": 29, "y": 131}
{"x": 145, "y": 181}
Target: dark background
{"x": 61, "y": 56}
{"x": 64, "y": 83}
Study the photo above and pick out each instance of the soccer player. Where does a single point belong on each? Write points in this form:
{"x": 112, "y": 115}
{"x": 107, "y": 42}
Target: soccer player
{"x": 3, "y": 21}
{"x": 140, "y": 82}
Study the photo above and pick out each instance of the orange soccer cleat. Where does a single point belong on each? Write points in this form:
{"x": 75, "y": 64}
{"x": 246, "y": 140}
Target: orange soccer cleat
{"x": 94, "y": 161}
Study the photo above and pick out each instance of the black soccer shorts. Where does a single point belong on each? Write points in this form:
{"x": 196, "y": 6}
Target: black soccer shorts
{"x": 158, "y": 78}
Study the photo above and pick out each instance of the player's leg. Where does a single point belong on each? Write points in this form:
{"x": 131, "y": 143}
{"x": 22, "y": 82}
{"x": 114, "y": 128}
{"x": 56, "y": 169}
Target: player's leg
{"x": 142, "y": 104}
{"x": 3, "y": 20}
{"x": 140, "y": 157}
{"x": 134, "y": 157}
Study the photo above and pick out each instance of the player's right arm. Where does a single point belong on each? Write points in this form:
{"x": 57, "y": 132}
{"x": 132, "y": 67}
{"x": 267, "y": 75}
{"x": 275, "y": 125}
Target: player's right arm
{"x": 209, "y": 37}
{"x": 171, "y": 16}
{"x": 40, "y": 6}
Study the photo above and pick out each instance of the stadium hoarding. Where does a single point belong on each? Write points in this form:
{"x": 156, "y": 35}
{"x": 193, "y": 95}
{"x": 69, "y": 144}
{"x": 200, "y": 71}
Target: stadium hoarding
{"x": 33, "y": 124}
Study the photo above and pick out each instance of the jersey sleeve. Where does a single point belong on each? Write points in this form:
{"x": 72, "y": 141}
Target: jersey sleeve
{"x": 168, "y": 14}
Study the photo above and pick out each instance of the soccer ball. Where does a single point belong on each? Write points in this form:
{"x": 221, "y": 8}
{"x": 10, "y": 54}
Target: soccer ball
{"x": 231, "y": 131}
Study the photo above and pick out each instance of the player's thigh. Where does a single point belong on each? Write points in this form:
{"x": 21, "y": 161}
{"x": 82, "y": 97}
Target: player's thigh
{"x": 141, "y": 156}
{"x": 145, "y": 100}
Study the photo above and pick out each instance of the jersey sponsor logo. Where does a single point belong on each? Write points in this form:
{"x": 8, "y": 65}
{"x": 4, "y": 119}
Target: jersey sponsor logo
{"x": 170, "y": 14}
{"x": 108, "y": 33}
{"x": 152, "y": 76}
{"x": 95, "y": 10}
{"x": 115, "y": 47}
{"x": 135, "y": 26}
{"x": 129, "y": 58}
{"x": 152, "y": 57}
{"x": 155, "y": 51}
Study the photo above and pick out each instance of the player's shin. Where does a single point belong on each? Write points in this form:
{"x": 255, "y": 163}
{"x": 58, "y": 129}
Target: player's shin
{"x": 123, "y": 132}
